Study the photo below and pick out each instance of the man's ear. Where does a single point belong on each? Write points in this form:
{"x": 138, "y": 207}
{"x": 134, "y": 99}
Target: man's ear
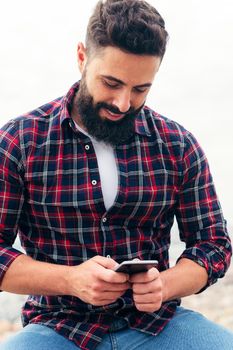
{"x": 81, "y": 57}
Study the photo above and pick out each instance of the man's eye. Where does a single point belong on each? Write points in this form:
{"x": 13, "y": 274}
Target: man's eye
{"x": 111, "y": 84}
{"x": 141, "y": 90}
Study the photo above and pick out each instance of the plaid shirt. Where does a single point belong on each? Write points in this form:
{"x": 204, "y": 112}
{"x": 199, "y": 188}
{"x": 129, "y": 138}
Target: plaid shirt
{"x": 50, "y": 194}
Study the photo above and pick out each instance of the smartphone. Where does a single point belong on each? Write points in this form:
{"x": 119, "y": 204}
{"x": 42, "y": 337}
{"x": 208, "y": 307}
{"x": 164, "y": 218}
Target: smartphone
{"x": 136, "y": 266}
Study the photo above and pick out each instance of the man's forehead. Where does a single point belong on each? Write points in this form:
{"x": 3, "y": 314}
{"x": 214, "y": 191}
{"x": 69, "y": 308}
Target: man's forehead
{"x": 123, "y": 66}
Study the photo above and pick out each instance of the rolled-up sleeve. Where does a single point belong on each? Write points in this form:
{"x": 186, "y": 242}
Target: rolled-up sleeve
{"x": 11, "y": 194}
{"x": 199, "y": 215}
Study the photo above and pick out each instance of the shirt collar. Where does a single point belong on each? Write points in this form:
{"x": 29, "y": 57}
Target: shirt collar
{"x": 141, "y": 125}
{"x": 66, "y": 104}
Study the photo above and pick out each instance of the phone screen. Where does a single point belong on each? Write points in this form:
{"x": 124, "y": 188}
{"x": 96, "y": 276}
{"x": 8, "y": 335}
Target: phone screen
{"x": 136, "y": 266}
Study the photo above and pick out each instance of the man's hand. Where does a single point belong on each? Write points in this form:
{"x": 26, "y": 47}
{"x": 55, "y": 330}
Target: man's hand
{"x": 95, "y": 282}
{"x": 148, "y": 290}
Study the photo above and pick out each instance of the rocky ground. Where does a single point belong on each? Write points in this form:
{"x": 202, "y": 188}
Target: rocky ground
{"x": 216, "y": 303}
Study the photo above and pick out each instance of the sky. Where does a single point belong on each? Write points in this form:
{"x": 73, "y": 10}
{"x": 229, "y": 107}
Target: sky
{"x": 194, "y": 85}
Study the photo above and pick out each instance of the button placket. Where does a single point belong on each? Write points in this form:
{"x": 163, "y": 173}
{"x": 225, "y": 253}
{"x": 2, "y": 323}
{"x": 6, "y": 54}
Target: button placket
{"x": 106, "y": 233}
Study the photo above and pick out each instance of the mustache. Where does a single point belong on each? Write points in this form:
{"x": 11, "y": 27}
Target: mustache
{"x": 114, "y": 109}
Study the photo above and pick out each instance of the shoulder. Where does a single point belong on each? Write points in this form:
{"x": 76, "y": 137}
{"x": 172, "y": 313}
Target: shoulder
{"x": 164, "y": 127}
{"x": 28, "y": 130}
{"x": 35, "y": 121}
{"x": 169, "y": 132}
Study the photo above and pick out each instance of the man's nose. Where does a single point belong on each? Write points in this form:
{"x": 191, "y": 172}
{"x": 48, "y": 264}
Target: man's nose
{"x": 122, "y": 101}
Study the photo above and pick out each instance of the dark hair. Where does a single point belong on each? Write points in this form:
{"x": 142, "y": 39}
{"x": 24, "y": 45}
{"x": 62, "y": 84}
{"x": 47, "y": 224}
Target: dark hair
{"x": 131, "y": 25}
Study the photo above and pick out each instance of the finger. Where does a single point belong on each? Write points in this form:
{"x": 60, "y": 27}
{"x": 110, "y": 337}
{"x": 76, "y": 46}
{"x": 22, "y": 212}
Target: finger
{"x": 107, "y": 297}
{"x": 117, "y": 287}
{"x": 145, "y": 298}
{"x": 108, "y": 263}
{"x": 114, "y": 277}
{"x": 148, "y": 307}
{"x": 108, "y": 274}
{"x": 150, "y": 287}
{"x": 144, "y": 277}
{"x": 110, "y": 287}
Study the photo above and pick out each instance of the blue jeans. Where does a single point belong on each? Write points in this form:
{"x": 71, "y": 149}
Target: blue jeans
{"x": 187, "y": 330}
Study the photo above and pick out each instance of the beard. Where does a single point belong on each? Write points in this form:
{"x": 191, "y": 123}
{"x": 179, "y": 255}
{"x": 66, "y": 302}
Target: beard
{"x": 108, "y": 131}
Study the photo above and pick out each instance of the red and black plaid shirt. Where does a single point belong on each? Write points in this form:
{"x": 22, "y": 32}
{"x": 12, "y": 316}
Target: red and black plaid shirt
{"x": 48, "y": 197}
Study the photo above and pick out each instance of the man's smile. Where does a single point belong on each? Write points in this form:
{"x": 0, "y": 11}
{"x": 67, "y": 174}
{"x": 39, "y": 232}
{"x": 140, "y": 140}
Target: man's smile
{"x": 106, "y": 113}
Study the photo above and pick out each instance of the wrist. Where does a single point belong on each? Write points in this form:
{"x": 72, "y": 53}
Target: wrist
{"x": 164, "y": 286}
{"x": 66, "y": 280}
{"x": 73, "y": 279}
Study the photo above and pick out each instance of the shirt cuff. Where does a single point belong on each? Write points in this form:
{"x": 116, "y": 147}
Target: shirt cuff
{"x": 7, "y": 255}
{"x": 214, "y": 265}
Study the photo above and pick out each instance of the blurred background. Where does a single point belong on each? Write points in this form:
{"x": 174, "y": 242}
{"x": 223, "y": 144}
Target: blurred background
{"x": 194, "y": 87}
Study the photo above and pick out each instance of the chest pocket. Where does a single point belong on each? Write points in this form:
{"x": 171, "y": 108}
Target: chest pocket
{"x": 59, "y": 208}
{"x": 51, "y": 190}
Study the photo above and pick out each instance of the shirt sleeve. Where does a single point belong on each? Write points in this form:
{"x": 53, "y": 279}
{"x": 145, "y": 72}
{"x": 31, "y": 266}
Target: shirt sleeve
{"x": 199, "y": 216}
{"x": 11, "y": 194}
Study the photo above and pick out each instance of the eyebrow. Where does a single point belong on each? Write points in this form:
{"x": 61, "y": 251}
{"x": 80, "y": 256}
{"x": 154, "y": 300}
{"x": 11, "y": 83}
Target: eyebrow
{"x": 109, "y": 77}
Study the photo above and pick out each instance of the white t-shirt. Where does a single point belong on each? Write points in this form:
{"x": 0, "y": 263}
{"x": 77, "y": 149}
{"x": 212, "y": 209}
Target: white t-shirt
{"x": 107, "y": 169}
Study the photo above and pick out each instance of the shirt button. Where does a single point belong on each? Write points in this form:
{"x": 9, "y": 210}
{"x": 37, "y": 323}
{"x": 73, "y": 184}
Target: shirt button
{"x": 104, "y": 219}
{"x": 87, "y": 147}
{"x": 94, "y": 182}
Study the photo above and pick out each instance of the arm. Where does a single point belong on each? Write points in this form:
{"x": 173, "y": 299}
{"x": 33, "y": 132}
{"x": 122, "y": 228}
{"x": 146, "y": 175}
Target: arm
{"x": 18, "y": 273}
{"x": 185, "y": 278}
{"x": 28, "y": 276}
{"x": 153, "y": 288}
{"x": 93, "y": 281}
{"x": 202, "y": 227}
{"x": 199, "y": 215}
